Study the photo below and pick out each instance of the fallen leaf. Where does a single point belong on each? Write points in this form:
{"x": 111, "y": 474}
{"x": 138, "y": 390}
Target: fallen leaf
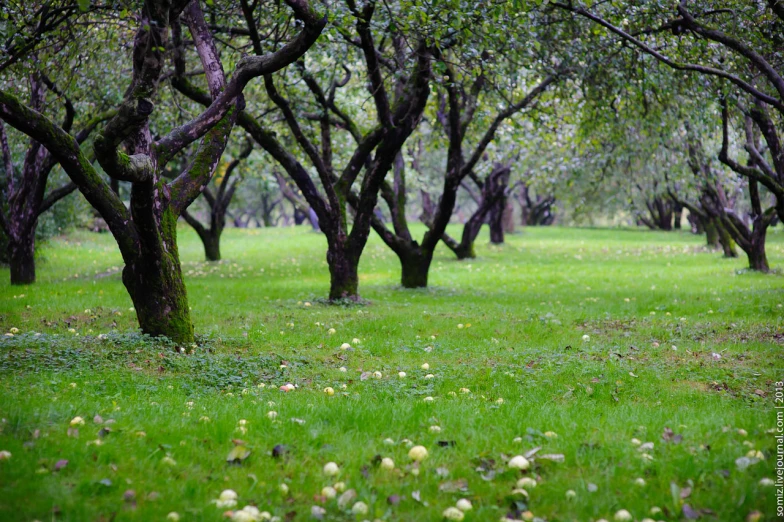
{"x": 347, "y": 498}
{"x": 555, "y": 457}
{"x": 60, "y": 464}
{"x": 669, "y": 436}
{"x": 531, "y": 453}
{"x": 490, "y": 475}
{"x": 279, "y": 450}
{"x": 690, "y": 513}
{"x": 237, "y": 454}
{"x": 453, "y": 486}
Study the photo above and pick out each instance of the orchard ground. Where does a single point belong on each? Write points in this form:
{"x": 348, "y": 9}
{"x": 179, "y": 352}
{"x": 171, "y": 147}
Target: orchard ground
{"x": 635, "y": 370}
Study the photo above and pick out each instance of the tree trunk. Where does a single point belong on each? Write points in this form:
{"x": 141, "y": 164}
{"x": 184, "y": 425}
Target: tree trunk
{"x": 210, "y": 237}
{"x": 677, "y": 214}
{"x": 497, "y": 222}
{"x": 726, "y": 242}
{"x": 415, "y": 265}
{"x": 508, "y": 217}
{"x": 465, "y": 248}
{"x": 465, "y": 251}
{"x": 758, "y": 259}
{"x": 211, "y": 242}
{"x": 314, "y": 222}
{"x": 344, "y": 279}
{"x": 21, "y": 259}
{"x": 711, "y": 233}
{"x": 664, "y": 214}
{"x": 697, "y": 223}
{"x": 154, "y": 281}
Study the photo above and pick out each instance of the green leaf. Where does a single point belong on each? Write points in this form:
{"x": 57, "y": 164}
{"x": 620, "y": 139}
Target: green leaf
{"x": 84, "y": 5}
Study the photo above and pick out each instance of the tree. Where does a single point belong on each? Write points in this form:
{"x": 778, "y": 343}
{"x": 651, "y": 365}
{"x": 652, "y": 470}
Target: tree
{"x": 750, "y": 240}
{"x": 127, "y": 150}
{"x": 24, "y": 191}
{"x": 492, "y": 195}
{"x": 536, "y": 209}
{"x": 462, "y": 115}
{"x": 218, "y": 202}
{"x": 709, "y": 189}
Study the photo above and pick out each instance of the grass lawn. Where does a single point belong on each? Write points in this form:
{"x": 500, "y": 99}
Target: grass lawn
{"x": 634, "y": 369}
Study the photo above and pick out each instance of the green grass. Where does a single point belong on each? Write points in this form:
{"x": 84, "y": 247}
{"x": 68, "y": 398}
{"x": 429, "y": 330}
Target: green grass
{"x": 524, "y": 307}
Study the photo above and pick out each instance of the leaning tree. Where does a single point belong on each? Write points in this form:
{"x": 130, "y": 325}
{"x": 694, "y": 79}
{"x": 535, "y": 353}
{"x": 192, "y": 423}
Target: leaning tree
{"x": 128, "y": 149}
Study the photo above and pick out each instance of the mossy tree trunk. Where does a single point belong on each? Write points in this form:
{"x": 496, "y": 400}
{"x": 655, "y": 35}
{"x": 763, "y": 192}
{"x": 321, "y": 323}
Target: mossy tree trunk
{"x": 725, "y": 240}
{"x": 212, "y": 250}
{"x": 126, "y": 150}
{"x": 711, "y": 233}
{"x": 415, "y": 268}
{"x": 154, "y": 281}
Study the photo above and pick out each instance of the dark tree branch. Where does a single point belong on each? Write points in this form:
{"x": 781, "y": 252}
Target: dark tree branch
{"x": 503, "y": 115}
{"x": 65, "y": 148}
{"x": 736, "y": 45}
{"x": 745, "y": 86}
{"x": 55, "y": 196}
{"x": 248, "y": 68}
{"x": 746, "y": 171}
